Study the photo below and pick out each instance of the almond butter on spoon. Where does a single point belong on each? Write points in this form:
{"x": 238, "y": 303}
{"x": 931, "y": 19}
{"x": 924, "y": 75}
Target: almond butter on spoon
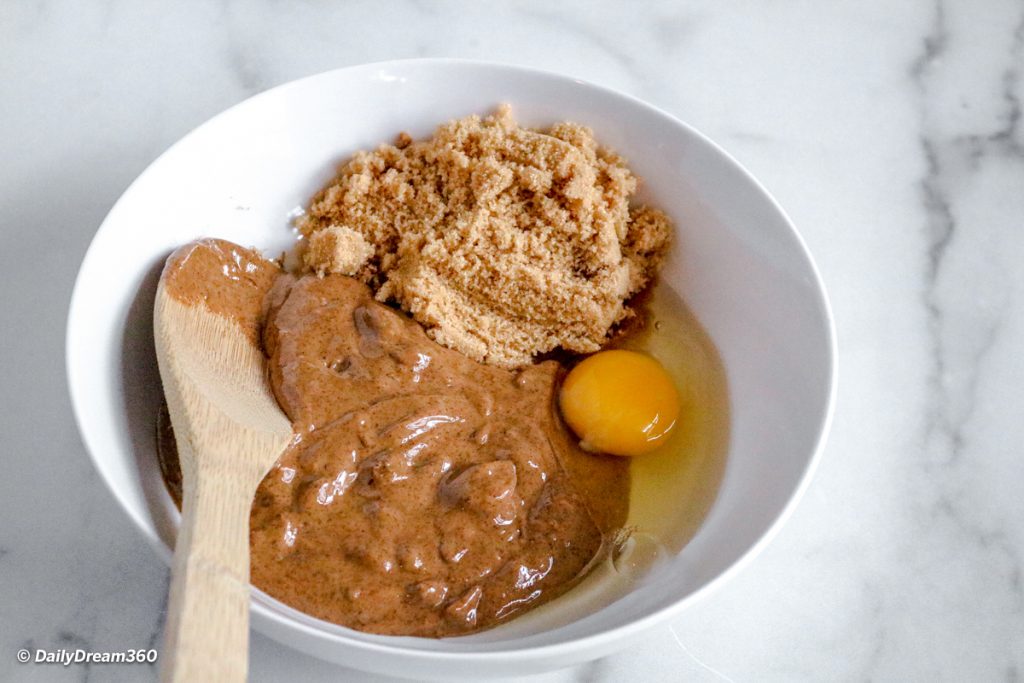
{"x": 229, "y": 431}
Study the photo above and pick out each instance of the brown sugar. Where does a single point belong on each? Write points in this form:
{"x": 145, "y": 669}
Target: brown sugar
{"x": 503, "y": 242}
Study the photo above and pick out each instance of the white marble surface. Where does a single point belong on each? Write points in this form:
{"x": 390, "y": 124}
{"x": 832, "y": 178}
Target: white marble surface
{"x": 890, "y": 131}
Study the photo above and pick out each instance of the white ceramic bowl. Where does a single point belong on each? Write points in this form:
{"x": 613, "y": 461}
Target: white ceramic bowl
{"x": 737, "y": 261}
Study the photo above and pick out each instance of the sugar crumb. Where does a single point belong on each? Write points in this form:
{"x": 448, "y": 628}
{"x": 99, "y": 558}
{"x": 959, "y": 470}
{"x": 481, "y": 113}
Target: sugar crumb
{"x": 336, "y": 249}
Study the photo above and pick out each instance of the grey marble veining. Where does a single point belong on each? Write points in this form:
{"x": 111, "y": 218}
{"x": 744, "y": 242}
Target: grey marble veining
{"x": 892, "y": 134}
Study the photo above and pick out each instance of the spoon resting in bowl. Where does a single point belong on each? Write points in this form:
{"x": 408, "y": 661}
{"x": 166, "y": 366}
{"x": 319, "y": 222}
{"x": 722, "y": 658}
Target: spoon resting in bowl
{"x": 229, "y": 432}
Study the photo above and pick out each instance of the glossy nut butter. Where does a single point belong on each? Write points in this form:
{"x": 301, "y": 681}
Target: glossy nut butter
{"x": 424, "y": 494}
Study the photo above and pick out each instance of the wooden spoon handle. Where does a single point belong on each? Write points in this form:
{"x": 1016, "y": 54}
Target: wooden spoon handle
{"x": 207, "y": 631}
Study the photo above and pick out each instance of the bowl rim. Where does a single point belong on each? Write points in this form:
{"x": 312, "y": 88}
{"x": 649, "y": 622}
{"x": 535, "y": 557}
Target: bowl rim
{"x": 78, "y": 394}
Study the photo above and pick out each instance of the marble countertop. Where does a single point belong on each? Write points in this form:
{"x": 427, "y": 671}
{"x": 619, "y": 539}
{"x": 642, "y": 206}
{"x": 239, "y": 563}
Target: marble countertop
{"x": 892, "y": 134}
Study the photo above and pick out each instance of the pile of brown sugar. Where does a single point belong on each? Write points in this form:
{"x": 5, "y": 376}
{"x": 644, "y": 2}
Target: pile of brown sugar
{"x": 503, "y": 242}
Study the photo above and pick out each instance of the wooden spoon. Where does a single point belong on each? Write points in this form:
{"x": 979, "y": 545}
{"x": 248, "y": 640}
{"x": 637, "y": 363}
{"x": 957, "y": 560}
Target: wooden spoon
{"x": 229, "y": 431}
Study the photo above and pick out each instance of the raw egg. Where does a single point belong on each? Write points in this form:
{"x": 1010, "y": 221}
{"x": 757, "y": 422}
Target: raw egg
{"x": 620, "y": 402}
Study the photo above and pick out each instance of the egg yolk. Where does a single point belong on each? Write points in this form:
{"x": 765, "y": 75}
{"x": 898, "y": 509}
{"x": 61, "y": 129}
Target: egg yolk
{"x": 620, "y": 402}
